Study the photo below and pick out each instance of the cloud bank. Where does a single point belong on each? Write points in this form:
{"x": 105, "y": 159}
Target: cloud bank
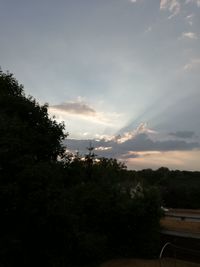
{"x": 183, "y": 134}
{"x": 140, "y": 145}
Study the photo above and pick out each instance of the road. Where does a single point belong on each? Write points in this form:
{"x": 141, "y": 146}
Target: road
{"x": 188, "y": 215}
{"x": 179, "y": 222}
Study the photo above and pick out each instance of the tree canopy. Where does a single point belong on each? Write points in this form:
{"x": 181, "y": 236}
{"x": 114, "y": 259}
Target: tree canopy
{"x": 28, "y": 135}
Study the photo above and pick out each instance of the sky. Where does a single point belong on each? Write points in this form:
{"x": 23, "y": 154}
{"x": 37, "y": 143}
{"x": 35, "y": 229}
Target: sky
{"x": 124, "y": 74}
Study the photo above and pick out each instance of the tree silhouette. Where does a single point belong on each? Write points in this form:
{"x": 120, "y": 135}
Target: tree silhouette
{"x": 27, "y": 133}
{"x": 31, "y": 178}
{"x": 64, "y": 212}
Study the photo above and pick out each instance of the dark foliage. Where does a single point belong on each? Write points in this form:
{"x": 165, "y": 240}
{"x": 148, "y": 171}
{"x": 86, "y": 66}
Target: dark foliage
{"x": 179, "y": 189}
{"x": 68, "y": 211}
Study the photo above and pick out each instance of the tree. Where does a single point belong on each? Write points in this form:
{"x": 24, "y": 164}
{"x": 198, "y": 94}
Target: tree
{"x": 31, "y": 180}
{"x": 27, "y": 133}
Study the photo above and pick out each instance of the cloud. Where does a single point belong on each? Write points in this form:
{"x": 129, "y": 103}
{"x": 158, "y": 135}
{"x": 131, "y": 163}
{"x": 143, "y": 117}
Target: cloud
{"x": 135, "y": 146}
{"x": 142, "y": 143}
{"x": 190, "y": 35}
{"x": 122, "y": 138}
{"x": 138, "y": 154}
{"x": 75, "y": 108}
{"x": 141, "y": 152}
{"x": 197, "y": 2}
{"x": 189, "y": 19}
{"x": 103, "y": 148}
{"x": 80, "y": 115}
{"x": 183, "y": 134}
{"x": 173, "y": 6}
{"x": 192, "y": 64}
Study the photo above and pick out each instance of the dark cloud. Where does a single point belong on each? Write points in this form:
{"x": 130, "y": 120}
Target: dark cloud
{"x": 141, "y": 142}
{"x": 75, "y": 108}
{"x": 78, "y": 145}
{"x": 183, "y": 134}
{"x": 131, "y": 155}
{"x": 82, "y": 145}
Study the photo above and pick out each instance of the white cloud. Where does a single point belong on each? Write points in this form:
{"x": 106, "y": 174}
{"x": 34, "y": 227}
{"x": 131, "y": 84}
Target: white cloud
{"x": 197, "y": 2}
{"x": 94, "y": 117}
{"x": 173, "y": 6}
{"x": 189, "y": 19}
{"x": 120, "y": 139}
{"x": 192, "y": 64}
{"x": 133, "y": 1}
{"x": 83, "y": 120}
{"x": 190, "y": 35}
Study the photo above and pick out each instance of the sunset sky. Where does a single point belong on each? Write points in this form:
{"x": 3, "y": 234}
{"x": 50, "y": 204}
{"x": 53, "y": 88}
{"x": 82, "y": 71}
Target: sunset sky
{"x": 122, "y": 73}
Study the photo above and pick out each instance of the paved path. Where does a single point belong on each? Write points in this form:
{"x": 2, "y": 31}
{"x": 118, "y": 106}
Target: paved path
{"x": 180, "y": 222}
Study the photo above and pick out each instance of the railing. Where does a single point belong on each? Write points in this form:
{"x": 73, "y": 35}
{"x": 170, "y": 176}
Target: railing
{"x": 170, "y": 256}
